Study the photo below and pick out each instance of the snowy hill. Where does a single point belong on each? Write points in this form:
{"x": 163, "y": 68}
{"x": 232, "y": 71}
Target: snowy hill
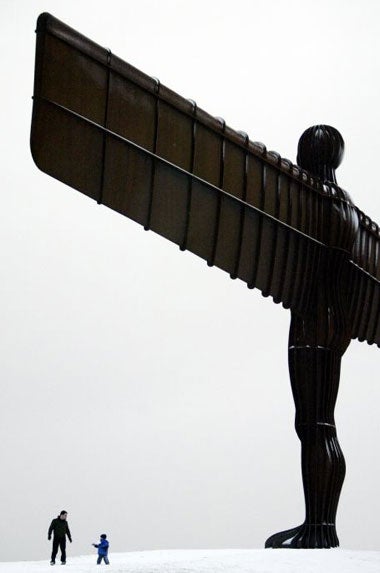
{"x": 215, "y": 561}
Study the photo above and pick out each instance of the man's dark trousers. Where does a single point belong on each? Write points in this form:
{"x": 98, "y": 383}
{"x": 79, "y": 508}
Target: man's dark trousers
{"x": 61, "y": 543}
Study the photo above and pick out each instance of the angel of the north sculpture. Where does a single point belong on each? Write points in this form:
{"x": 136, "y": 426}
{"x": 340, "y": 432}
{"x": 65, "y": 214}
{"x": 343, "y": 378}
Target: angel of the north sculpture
{"x": 108, "y": 130}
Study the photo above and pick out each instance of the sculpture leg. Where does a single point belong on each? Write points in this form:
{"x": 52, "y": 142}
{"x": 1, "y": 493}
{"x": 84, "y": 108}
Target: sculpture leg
{"x": 314, "y": 372}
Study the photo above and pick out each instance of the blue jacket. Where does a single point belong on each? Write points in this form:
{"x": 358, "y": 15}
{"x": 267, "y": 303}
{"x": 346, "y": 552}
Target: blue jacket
{"x": 102, "y": 547}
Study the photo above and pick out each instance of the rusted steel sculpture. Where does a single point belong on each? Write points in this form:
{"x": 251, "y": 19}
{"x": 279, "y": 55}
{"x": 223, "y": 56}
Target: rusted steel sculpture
{"x": 119, "y": 136}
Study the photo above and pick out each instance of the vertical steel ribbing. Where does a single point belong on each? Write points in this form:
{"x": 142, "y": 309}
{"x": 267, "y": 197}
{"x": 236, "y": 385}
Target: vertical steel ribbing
{"x": 306, "y": 252}
{"x": 368, "y": 293}
{"x": 183, "y": 244}
{"x": 282, "y": 296}
{"x": 296, "y": 249}
{"x": 105, "y": 121}
{"x": 376, "y": 310}
{"x": 361, "y": 285}
{"x": 155, "y": 143}
{"x": 235, "y": 271}
{"x": 211, "y": 260}
{"x": 269, "y": 286}
{"x": 256, "y": 256}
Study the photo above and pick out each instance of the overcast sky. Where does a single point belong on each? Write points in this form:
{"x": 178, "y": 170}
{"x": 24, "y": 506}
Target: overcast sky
{"x": 143, "y": 392}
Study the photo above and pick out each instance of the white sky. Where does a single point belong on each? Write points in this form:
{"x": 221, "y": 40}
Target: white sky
{"x": 143, "y": 392}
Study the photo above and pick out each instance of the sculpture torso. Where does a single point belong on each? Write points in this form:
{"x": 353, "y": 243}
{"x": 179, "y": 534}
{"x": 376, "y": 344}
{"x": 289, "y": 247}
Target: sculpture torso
{"x": 325, "y": 322}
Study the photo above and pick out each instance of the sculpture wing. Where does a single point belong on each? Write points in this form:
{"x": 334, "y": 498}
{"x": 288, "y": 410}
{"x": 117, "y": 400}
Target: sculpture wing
{"x": 117, "y": 135}
{"x": 364, "y": 282}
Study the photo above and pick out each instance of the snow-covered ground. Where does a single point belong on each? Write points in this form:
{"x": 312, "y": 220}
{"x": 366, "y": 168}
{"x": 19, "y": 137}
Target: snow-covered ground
{"x": 216, "y": 561}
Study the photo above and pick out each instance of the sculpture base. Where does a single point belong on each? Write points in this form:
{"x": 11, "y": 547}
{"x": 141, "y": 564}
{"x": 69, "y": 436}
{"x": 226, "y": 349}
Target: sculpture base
{"x": 305, "y": 536}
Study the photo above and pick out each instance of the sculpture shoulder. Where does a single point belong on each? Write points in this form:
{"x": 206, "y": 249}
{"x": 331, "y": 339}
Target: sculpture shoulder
{"x": 335, "y": 192}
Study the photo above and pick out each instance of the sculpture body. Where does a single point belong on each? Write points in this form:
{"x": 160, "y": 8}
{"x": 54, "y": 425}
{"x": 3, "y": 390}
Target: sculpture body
{"x": 317, "y": 342}
{"x": 120, "y": 137}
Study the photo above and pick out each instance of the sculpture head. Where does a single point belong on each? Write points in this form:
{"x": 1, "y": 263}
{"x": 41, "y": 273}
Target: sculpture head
{"x": 320, "y": 151}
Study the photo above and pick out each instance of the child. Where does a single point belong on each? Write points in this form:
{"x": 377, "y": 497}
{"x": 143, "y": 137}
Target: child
{"x": 102, "y": 549}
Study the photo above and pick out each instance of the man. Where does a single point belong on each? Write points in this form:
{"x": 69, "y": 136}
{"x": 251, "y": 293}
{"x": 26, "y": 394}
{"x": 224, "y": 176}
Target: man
{"x": 60, "y": 528}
